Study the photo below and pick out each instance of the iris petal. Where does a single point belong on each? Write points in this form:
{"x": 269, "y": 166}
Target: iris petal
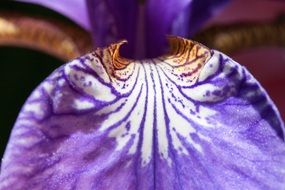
{"x": 182, "y": 18}
{"x": 73, "y": 9}
{"x": 144, "y": 25}
{"x": 193, "y": 119}
{"x": 112, "y": 20}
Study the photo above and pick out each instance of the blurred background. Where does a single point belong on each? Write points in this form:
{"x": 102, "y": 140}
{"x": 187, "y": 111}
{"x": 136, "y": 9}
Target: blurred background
{"x": 35, "y": 40}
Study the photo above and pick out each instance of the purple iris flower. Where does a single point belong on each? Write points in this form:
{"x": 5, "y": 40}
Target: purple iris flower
{"x": 143, "y": 24}
{"x": 189, "y": 119}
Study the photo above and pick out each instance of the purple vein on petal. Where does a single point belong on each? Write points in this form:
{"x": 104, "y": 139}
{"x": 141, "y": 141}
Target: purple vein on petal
{"x": 213, "y": 129}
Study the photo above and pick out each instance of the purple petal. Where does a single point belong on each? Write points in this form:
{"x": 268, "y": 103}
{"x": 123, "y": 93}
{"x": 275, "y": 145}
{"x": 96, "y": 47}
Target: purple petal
{"x": 75, "y": 10}
{"x": 146, "y": 25}
{"x": 174, "y": 17}
{"x": 114, "y": 20}
{"x": 194, "y": 119}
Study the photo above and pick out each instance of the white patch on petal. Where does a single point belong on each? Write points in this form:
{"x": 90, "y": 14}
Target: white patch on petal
{"x": 82, "y": 104}
{"x": 99, "y": 69}
{"x": 147, "y": 143}
{"x": 33, "y": 107}
{"x": 36, "y": 94}
{"x": 160, "y": 117}
{"x": 48, "y": 87}
{"x": 210, "y": 68}
{"x": 89, "y": 84}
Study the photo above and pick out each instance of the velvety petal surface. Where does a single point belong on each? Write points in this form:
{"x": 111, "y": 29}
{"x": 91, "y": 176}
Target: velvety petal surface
{"x": 145, "y": 24}
{"x": 75, "y": 10}
{"x": 113, "y": 20}
{"x": 193, "y": 119}
{"x": 182, "y": 18}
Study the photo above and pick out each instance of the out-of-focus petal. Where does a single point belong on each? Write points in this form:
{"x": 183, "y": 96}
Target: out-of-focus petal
{"x": 114, "y": 20}
{"x": 174, "y": 17}
{"x": 194, "y": 119}
{"x": 75, "y": 10}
